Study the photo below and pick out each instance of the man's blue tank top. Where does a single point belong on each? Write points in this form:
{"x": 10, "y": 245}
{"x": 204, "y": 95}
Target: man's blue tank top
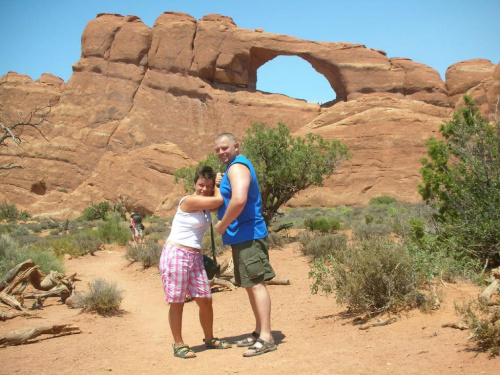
{"x": 250, "y": 224}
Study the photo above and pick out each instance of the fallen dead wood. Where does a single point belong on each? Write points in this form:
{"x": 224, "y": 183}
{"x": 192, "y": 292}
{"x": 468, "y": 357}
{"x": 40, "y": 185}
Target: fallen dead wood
{"x": 378, "y": 324}
{"x": 10, "y": 301}
{"x": 492, "y": 288}
{"x": 226, "y": 277}
{"x": 58, "y": 291}
{"x": 224, "y": 283}
{"x": 21, "y": 267}
{"x": 20, "y": 278}
{"x": 14, "y": 284}
{"x": 278, "y": 281}
{"x": 22, "y": 336}
{"x": 4, "y": 315}
{"x": 459, "y": 326}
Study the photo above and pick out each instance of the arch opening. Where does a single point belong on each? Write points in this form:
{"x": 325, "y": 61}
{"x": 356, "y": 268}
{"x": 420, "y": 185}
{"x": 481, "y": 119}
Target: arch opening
{"x": 295, "y": 77}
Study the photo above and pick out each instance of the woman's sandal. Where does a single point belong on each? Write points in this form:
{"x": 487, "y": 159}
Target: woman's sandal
{"x": 216, "y": 343}
{"x": 266, "y": 347}
{"x": 247, "y": 341}
{"x": 183, "y": 351}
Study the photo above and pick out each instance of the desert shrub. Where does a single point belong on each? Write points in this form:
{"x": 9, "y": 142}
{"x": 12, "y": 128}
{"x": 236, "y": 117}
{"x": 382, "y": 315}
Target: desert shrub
{"x": 50, "y": 224}
{"x": 23, "y": 236}
{"x": 148, "y": 253}
{"x": 86, "y": 241}
{"x": 384, "y": 199}
{"x": 55, "y": 231}
{"x": 11, "y": 254}
{"x": 322, "y": 224}
{"x": 114, "y": 230}
{"x": 157, "y": 225}
{"x": 24, "y": 215}
{"x": 97, "y": 211}
{"x": 19, "y": 231}
{"x": 155, "y": 228}
{"x": 275, "y": 240}
{"x": 8, "y": 212}
{"x": 373, "y": 275}
{"x": 318, "y": 245}
{"x": 484, "y": 323}
{"x": 156, "y": 236}
{"x": 34, "y": 227}
{"x": 58, "y": 245}
{"x": 364, "y": 231}
{"x": 6, "y": 228}
{"x": 103, "y": 298}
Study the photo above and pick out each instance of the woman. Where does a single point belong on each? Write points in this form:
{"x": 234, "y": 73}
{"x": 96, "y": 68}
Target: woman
{"x": 181, "y": 262}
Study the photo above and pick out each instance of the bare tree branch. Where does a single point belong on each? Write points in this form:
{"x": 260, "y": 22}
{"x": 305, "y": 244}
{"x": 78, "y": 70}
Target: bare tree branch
{"x": 11, "y": 166}
{"x": 13, "y": 128}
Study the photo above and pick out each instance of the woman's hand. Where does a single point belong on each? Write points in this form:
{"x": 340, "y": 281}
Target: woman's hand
{"x": 218, "y": 179}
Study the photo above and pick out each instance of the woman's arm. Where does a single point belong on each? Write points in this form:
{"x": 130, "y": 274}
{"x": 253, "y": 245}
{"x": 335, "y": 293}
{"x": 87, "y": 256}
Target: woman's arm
{"x": 195, "y": 203}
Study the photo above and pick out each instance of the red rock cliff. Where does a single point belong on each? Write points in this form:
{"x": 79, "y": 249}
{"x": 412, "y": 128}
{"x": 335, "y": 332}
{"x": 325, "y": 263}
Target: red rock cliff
{"x": 143, "y": 102}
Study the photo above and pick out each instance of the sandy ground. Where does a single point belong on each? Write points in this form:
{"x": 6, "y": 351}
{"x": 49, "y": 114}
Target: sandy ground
{"x": 314, "y": 334}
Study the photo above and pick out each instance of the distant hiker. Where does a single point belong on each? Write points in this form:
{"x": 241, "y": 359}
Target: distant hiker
{"x": 181, "y": 263}
{"x": 136, "y": 226}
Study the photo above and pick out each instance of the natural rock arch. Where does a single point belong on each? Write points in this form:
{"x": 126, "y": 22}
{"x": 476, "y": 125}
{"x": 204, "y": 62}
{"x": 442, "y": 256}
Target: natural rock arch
{"x": 260, "y": 56}
{"x": 303, "y": 73}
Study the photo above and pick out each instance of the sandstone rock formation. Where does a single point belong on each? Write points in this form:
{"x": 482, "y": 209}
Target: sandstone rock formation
{"x": 143, "y": 102}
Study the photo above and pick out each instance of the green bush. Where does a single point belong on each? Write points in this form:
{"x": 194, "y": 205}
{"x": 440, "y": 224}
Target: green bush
{"x": 322, "y": 224}
{"x": 461, "y": 178}
{"x": 58, "y": 245}
{"x": 374, "y": 275}
{"x": 23, "y": 236}
{"x": 96, "y": 212}
{"x": 11, "y": 254}
{"x": 8, "y": 212}
{"x": 114, "y": 230}
{"x": 103, "y": 298}
{"x": 382, "y": 200}
{"x": 24, "y": 215}
{"x": 365, "y": 231}
{"x": 86, "y": 241}
{"x": 35, "y": 227}
{"x": 484, "y": 323}
{"x": 318, "y": 245}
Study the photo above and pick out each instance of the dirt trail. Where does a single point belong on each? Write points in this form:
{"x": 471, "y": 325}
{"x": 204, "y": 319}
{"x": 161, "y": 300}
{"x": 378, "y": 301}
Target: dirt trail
{"x": 312, "y": 331}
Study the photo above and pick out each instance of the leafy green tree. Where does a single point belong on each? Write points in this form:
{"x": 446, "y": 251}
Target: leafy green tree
{"x": 97, "y": 211}
{"x": 461, "y": 178}
{"x": 284, "y": 164}
{"x": 185, "y": 175}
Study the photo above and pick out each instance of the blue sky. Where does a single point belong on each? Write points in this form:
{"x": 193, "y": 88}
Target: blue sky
{"x": 43, "y": 36}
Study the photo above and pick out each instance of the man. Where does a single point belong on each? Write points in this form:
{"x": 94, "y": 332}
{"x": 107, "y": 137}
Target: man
{"x": 242, "y": 226}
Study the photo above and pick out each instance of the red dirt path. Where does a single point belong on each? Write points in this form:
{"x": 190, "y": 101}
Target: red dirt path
{"x": 313, "y": 334}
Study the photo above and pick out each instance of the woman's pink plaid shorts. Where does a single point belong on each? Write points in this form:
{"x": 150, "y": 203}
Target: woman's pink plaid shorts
{"x": 182, "y": 272}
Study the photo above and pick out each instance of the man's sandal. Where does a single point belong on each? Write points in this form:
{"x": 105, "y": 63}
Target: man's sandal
{"x": 183, "y": 351}
{"x": 216, "y": 343}
{"x": 264, "y": 348}
{"x": 247, "y": 341}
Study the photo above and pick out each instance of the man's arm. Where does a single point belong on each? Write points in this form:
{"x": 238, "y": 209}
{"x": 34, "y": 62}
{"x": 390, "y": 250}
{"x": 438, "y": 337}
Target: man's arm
{"x": 239, "y": 178}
